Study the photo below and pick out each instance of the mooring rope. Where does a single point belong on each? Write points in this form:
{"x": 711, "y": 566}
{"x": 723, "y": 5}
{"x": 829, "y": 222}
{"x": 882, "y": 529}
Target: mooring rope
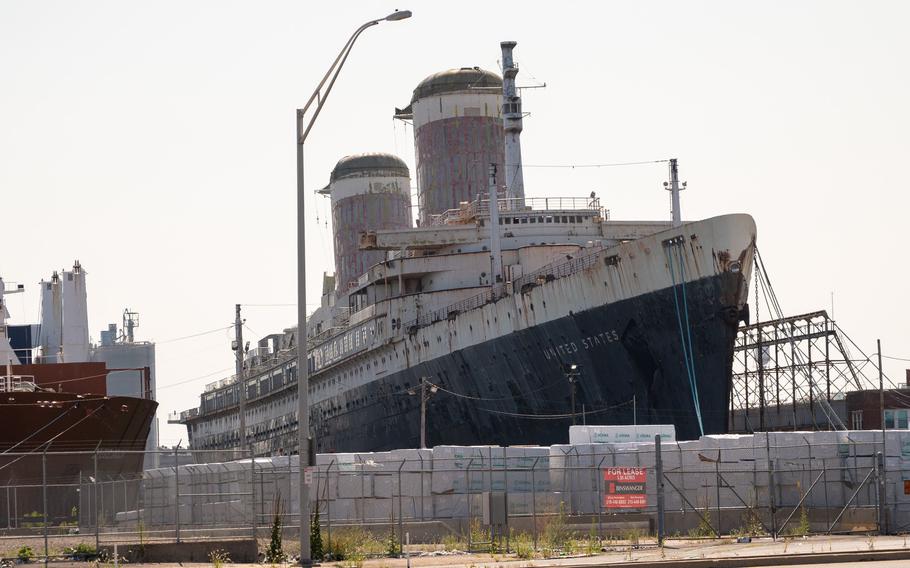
{"x": 689, "y": 364}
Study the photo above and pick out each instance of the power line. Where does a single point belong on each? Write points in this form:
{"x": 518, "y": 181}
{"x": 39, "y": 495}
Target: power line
{"x": 573, "y": 166}
{"x": 200, "y": 334}
{"x": 556, "y": 416}
{"x": 183, "y": 382}
{"x": 469, "y": 397}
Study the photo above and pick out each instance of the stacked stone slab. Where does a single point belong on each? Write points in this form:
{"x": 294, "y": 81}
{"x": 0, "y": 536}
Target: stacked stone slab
{"x": 447, "y": 482}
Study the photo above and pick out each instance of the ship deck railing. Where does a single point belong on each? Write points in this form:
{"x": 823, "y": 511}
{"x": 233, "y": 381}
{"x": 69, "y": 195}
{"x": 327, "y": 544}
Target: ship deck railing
{"x": 18, "y": 383}
{"x": 546, "y": 273}
{"x": 481, "y": 207}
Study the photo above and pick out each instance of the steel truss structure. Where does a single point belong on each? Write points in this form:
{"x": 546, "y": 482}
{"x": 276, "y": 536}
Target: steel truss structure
{"x": 800, "y": 361}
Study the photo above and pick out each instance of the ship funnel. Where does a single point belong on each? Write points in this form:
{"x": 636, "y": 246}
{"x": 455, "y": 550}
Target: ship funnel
{"x": 511, "y": 122}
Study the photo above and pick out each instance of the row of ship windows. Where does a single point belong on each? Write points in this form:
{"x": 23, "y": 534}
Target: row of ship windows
{"x": 233, "y": 420}
{"x": 523, "y": 220}
{"x": 355, "y": 372}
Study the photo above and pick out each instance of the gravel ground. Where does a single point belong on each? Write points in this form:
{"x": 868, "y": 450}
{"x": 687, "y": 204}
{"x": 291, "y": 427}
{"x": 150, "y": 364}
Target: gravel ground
{"x": 676, "y": 549}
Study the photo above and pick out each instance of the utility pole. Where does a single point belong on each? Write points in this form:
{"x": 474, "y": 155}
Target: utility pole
{"x": 883, "y": 521}
{"x": 237, "y": 346}
{"x": 427, "y": 389}
{"x": 881, "y": 390}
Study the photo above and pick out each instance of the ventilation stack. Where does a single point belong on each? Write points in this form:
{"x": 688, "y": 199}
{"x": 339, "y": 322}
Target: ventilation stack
{"x": 50, "y": 333}
{"x": 458, "y": 133}
{"x": 369, "y": 192}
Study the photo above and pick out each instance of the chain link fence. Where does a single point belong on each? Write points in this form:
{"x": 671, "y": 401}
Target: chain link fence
{"x": 775, "y": 484}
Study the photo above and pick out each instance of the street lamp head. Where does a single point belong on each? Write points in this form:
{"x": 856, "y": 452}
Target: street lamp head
{"x": 396, "y": 15}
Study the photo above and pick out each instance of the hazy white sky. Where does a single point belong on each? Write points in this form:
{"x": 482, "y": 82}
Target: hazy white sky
{"x": 154, "y": 142}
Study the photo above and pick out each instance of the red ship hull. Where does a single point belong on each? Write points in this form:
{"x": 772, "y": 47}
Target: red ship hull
{"x": 51, "y": 438}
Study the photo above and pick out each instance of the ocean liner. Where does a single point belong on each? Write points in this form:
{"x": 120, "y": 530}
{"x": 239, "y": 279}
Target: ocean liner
{"x": 511, "y": 317}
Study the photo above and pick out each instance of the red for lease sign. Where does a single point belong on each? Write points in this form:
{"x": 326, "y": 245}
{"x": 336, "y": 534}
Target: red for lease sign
{"x": 624, "y": 487}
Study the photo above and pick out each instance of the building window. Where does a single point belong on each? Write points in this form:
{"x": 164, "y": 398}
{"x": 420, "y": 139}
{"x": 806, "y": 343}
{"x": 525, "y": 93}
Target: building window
{"x": 897, "y": 419}
{"x": 856, "y": 418}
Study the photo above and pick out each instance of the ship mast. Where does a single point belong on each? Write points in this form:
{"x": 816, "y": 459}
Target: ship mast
{"x": 674, "y": 188}
{"x": 511, "y": 122}
{"x": 495, "y": 245}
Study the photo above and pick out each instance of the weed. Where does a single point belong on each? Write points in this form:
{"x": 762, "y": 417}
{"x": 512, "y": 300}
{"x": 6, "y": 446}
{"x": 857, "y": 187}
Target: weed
{"x": 751, "y": 524}
{"x": 801, "y": 528}
{"x": 786, "y": 543}
{"x": 871, "y": 542}
{"x": 704, "y": 528}
{"x": 80, "y": 552}
{"x": 633, "y": 536}
{"x": 275, "y": 552}
{"x": 353, "y": 546}
{"x": 392, "y": 546}
{"x": 25, "y": 554}
{"x": 140, "y": 527}
{"x": 523, "y": 545}
{"x": 219, "y": 558}
{"x": 592, "y": 545}
{"x": 478, "y": 535}
{"x": 316, "y": 546}
{"x": 451, "y": 542}
{"x": 556, "y": 534}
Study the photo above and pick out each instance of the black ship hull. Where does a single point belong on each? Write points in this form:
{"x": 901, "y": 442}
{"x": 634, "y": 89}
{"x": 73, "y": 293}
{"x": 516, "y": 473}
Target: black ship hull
{"x": 514, "y": 389}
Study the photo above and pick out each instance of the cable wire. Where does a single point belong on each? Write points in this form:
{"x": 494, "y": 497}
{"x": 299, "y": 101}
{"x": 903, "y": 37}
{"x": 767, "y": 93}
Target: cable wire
{"x": 574, "y": 166}
{"x": 201, "y": 333}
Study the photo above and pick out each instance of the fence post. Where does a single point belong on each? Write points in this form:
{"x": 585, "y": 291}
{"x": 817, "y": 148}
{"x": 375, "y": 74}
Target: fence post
{"x": 400, "y": 523}
{"x": 95, "y": 498}
{"x": 140, "y": 500}
{"x": 878, "y": 492}
{"x": 420, "y": 457}
{"x": 363, "y": 491}
{"x": 599, "y": 482}
{"x": 467, "y": 493}
{"x": 505, "y": 488}
{"x": 177, "y": 492}
{"x": 659, "y": 466}
{"x": 9, "y": 519}
{"x": 328, "y": 501}
{"x": 771, "y": 487}
{"x": 79, "y": 501}
{"x": 883, "y": 501}
{"x": 253, "y": 492}
{"x": 44, "y": 498}
{"x": 717, "y": 483}
{"x": 534, "y": 498}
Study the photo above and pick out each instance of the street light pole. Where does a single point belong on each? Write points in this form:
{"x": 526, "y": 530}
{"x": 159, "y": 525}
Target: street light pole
{"x": 303, "y": 409}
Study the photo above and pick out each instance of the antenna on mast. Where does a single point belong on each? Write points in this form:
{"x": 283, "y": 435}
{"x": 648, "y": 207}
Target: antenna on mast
{"x": 511, "y": 122}
{"x": 130, "y": 322}
{"x": 674, "y": 188}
